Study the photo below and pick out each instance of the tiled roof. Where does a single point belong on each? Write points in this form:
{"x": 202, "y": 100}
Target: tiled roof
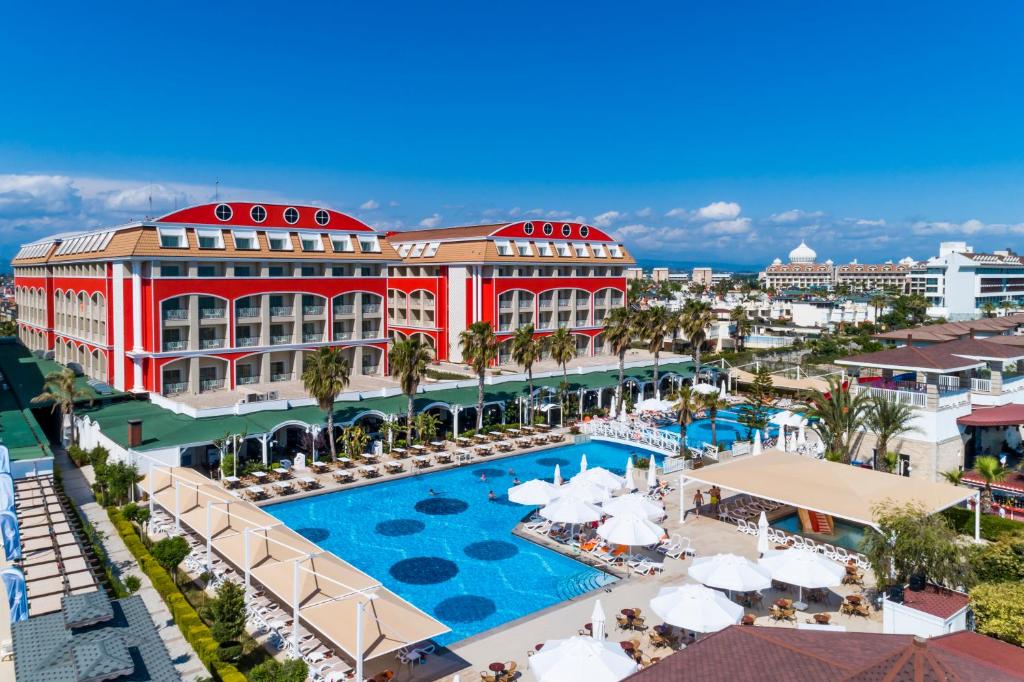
{"x": 441, "y": 233}
{"x": 799, "y": 268}
{"x": 928, "y": 358}
{"x": 83, "y": 610}
{"x": 987, "y": 651}
{"x": 954, "y": 330}
{"x": 937, "y": 602}
{"x": 871, "y": 268}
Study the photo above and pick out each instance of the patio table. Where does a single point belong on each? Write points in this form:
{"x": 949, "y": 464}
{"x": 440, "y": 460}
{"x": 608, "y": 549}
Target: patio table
{"x": 232, "y": 481}
{"x": 259, "y": 475}
{"x": 281, "y": 471}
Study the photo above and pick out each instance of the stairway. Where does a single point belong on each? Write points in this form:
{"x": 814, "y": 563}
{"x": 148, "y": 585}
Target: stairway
{"x": 820, "y": 523}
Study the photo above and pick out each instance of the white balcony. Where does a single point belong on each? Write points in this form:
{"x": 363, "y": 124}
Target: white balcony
{"x": 344, "y": 309}
{"x": 981, "y": 385}
{"x": 175, "y": 314}
{"x": 281, "y": 340}
{"x": 245, "y": 381}
{"x": 281, "y": 311}
{"x": 287, "y": 376}
{"x": 246, "y": 341}
{"x": 342, "y": 336}
{"x": 174, "y": 345}
{"x": 505, "y": 305}
{"x": 212, "y": 313}
{"x": 371, "y": 308}
{"x": 312, "y": 310}
{"x": 210, "y": 385}
{"x": 206, "y": 344}
{"x": 175, "y": 388}
{"x": 312, "y": 338}
{"x": 247, "y": 313}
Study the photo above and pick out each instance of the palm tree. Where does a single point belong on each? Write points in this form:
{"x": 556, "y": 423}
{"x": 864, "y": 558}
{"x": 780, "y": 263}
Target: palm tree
{"x": 1007, "y": 305}
{"x": 563, "y": 350}
{"x": 479, "y": 349}
{"x": 654, "y": 325}
{"x": 526, "y": 351}
{"x": 839, "y": 415}
{"x": 989, "y": 309}
{"x": 426, "y": 426}
{"x": 619, "y": 331}
{"x": 695, "y": 319}
{"x": 325, "y": 374}
{"x": 59, "y": 389}
{"x": 888, "y": 419}
{"x": 991, "y": 471}
{"x": 712, "y": 403}
{"x": 738, "y": 316}
{"x": 686, "y": 405}
{"x": 409, "y": 359}
{"x": 954, "y": 476}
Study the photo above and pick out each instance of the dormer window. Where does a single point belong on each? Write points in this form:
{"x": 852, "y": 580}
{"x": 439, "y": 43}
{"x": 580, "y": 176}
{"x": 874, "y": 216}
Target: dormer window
{"x": 545, "y": 249}
{"x": 279, "y": 241}
{"x": 599, "y": 251}
{"x": 245, "y": 240}
{"x": 369, "y": 244}
{"x": 417, "y": 249}
{"x": 209, "y": 239}
{"x": 581, "y": 251}
{"x": 563, "y": 250}
{"x": 431, "y": 249}
{"x": 311, "y": 242}
{"x": 524, "y": 248}
{"x": 172, "y": 237}
{"x": 504, "y": 247}
{"x": 404, "y": 250}
{"x": 615, "y": 250}
{"x": 342, "y": 243}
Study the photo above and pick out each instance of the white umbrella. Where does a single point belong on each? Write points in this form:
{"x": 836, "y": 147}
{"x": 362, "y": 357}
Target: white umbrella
{"x": 597, "y": 621}
{"x": 581, "y": 658}
{"x": 695, "y": 607}
{"x": 583, "y": 462}
{"x": 602, "y": 477}
{"x": 630, "y": 484}
{"x": 801, "y": 437}
{"x": 724, "y": 393}
{"x": 652, "y": 474}
{"x": 586, "y": 490}
{"x": 803, "y": 569}
{"x": 762, "y": 534}
{"x": 730, "y": 572}
{"x": 653, "y": 405}
{"x": 631, "y": 531}
{"x": 623, "y": 417}
{"x": 571, "y": 509}
{"x": 634, "y": 505}
{"x": 756, "y": 448}
{"x": 533, "y": 492}
{"x": 558, "y": 475}
{"x": 705, "y": 389}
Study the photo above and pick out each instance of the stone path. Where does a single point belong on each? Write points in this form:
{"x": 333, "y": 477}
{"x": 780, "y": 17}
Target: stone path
{"x": 77, "y": 484}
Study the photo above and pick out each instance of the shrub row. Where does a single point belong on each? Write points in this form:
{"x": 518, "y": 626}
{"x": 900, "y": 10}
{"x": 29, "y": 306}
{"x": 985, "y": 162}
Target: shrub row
{"x": 992, "y": 527}
{"x": 185, "y": 617}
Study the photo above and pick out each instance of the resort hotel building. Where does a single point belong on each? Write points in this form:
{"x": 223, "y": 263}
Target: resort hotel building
{"x": 229, "y": 296}
{"x": 959, "y": 283}
{"x": 803, "y": 271}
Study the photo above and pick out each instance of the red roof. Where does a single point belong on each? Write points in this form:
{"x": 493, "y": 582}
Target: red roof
{"x": 275, "y": 216}
{"x": 990, "y": 651}
{"x": 1003, "y": 415}
{"x": 935, "y": 601}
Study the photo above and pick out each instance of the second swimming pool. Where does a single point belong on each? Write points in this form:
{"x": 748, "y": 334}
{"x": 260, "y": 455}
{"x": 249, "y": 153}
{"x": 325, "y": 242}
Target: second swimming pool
{"x": 452, "y": 553}
{"x": 727, "y": 427}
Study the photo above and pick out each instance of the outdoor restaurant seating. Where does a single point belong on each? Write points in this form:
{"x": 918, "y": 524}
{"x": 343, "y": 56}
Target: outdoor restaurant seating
{"x": 343, "y": 476}
{"x": 783, "y": 609}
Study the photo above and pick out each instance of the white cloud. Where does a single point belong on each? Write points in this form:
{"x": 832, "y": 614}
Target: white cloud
{"x": 607, "y": 218}
{"x": 431, "y": 221}
{"x": 677, "y": 213}
{"x": 795, "y": 215}
{"x": 369, "y": 205}
{"x": 35, "y": 195}
{"x": 645, "y": 212}
{"x": 870, "y": 223}
{"x": 153, "y": 198}
{"x": 966, "y": 228}
{"x": 719, "y": 210}
{"x": 737, "y": 226}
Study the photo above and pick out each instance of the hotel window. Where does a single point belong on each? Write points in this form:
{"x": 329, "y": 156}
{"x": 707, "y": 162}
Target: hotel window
{"x": 369, "y": 244}
{"x": 275, "y": 271}
{"x": 170, "y": 270}
{"x": 322, "y": 217}
{"x": 245, "y": 240}
{"x": 599, "y": 251}
{"x": 404, "y": 250}
{"x": 615, "y": 250}
{"x": 563, "y": 250}
{"x": 528, "y": 229}
{"x": 431, "y": 249}
{"x": 417, "y": 250}
{"x": 172, "y": 238}
{"x": 524, "y": 248}
{"x": 342, "y": 243}
{"x": 504, "y": 248}
{"x": 549, "y": 229}
{"x": 291, "y": 215}
{"x": 258, "y": 214}
{"x": 584, "y": 231}
{"x": 566, "y": 230}
{"x": 243, "y": 271}
{"x": 206, "y": 271}
{"x": 581, "y": 250}
{"x": 210, "y": 239}
{"x": 308, "y": 271}
{"x": 279, "y": 241}
{"x": 544, "y": 248}
{"x": 311, "y": 242}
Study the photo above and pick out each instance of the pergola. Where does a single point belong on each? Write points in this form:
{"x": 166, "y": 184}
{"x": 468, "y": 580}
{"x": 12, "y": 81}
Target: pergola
{"x": 847, "y": 492}
{"x": 345, "y": 606}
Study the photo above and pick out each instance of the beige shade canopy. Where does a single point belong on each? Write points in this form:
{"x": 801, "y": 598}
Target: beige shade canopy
{"x": 328, "y": 587}
{"x": 841, "y": 490}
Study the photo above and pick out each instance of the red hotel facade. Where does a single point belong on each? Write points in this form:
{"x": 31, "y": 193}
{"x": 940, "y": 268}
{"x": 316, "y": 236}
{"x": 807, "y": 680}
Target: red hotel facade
{"x": 226, "y": 296}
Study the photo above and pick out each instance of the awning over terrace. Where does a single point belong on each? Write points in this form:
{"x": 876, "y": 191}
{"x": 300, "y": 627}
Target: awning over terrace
{"x": 325, "y": 589}
{"x": 841, "y": 490}
{"x": 1003, "y": 415}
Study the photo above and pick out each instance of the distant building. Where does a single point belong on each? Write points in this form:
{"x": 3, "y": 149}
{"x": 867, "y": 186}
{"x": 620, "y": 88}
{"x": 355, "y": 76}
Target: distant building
{"x": 634, "y": 273}
{"x": 803, "y": 271}
{"x": 873, "y": 276}
{"x": 958, "y": 283}
{"x": 703, "y": 276}
{"x": 659, "y": 274}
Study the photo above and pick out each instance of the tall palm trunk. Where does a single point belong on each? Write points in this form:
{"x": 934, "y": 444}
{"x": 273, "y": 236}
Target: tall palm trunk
{"x": 529, "y": 405}
{"x": 408, "y": 421}
{"x": 480, "y": 403}
{"x": 69, "y": 410}
{"x": 330, "y": 435}
{"x": 682, "y": 435}
{"x": 713, "y": 413}
{"x": 657, "y": 384}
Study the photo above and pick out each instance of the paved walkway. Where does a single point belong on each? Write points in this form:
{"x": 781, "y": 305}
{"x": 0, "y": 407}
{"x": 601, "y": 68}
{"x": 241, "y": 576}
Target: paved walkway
{"x": 77, "y": 484}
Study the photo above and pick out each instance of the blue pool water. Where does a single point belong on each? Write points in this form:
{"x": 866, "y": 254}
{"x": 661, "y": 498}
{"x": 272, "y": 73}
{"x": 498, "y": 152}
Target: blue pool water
{"x": 453, "y": 554}
{"x": 847, "y": 535}
{"x": 727, "y": 426}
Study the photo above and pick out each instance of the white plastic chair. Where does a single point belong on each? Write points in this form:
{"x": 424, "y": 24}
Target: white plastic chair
{"x": 842, "y": 555}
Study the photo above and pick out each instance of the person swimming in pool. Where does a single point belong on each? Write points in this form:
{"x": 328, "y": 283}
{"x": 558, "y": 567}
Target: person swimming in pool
{"x": 512, "y": 473}
{"x": 516, "y": 481}
{"x": 491, "y": 497}
{"x": 433, "y": 492}
{"x": 483, "y": 478}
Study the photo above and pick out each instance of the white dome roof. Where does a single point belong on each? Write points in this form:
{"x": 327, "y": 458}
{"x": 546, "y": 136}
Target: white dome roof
{"x": 907, "y": 261}
{"x": 777, "y": 261}
{"x": 829, "y": 262}
{"x": 802, "y": 254}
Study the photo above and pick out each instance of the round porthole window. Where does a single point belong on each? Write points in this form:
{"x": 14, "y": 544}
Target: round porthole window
{"x": 223, "y": 212}
{"x": 322, "y": 217}
{"x": 584, "y": 231}
{"x": 528, "y": 229}
{"x": 258, "y": 214}
{"x": 566, "y": 230}
{"x": 291, "y": 215}
{"x": 548, "y": 229}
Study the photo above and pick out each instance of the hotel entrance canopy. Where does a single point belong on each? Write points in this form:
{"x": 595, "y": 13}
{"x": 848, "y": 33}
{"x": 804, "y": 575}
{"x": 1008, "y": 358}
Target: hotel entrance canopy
{"x": 1004, "y": 415}
{"x": 848, "y": 492}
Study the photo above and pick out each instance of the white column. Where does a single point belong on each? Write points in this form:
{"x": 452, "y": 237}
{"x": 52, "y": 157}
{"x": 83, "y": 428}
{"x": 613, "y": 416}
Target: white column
{"x": 359, "y": 640}
{"x": 977, "y": 516}
{"x": 245, "y": 560}
{"x": 295, "y": 607}
{"x": 177, "y": 504}
{"x": 117, "y": 331}
{"x": 455, "y": 421}
{"x": 136, "y": 307}
{"x": 264, "y": 439}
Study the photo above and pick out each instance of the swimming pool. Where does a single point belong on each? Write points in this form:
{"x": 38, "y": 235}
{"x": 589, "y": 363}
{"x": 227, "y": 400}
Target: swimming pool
{"x": 847, "y": 535}
{"x": 727, "y": 427}
{"x": 453, "y": 554}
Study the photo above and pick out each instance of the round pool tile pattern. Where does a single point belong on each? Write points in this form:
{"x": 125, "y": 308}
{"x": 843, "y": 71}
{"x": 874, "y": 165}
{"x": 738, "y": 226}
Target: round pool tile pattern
{"x": 491, "y": 550}
{"x": 552, "y": 461}
{"x": 490, "y": 472}
{"x": 424, "y": 570}
{"x": 467, "y": 608}
{"x": 314, "y": 534}
{"x": 441, "y": 506}
{"x": 398, "y": 527}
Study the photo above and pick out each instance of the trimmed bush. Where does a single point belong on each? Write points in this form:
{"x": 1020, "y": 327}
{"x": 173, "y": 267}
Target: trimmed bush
{"x": 992, "y": 527}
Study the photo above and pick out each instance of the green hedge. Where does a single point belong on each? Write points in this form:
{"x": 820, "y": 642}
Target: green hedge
{"x": 992, "y": 527}
{"x": 185, "y": 617}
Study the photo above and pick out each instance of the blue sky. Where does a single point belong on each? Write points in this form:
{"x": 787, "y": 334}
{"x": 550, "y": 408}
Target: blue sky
{"x": 695, "y": 131}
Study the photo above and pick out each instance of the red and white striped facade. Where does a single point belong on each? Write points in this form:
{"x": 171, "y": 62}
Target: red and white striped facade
{"x": 222, "y": 296}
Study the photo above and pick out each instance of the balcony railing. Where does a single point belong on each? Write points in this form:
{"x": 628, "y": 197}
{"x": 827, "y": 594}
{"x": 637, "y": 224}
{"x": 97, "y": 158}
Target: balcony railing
{"x": 245, "y": 381}
{"x": 211, "y": 313}
{"x": 370, "y": 369}
{"x": 312, "y": 338}
{"x": 982, "y": 385}
{"x": 174, "y": 345}
{"x": 912, "y": 398}
{"x": 505, "y": 305}
{"x": 246, "y": 313}
{"x": 526, "y": 305}
{"x": 312, "y": 310}
{"x": 206, "y": 344}
{"x": 342, "y": 336}
{"x": 428, "y": 304}
{"x": 175, "y": 314}
{"x": 286, "y": 376}
{"x": 370, "y": 308}
{"x": 344, "y": 309}
{"x": 582, "y": 304}
{"x": 281, "y": 311}
{"x": 246, "y": 341}
{"x": 281, "y": 340}
{"x": 563, "y": 302}
{"x": 175, "y": 388}
{"x": 210, "y": 385}
{"x": 371, "y": 333}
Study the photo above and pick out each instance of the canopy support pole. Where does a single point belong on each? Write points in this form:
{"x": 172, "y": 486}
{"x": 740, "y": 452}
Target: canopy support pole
{"x": 209, "y": 532}
{"x": 295, "y": 607}
{"x": 245, "y": 560}
{"x": 977, "y": 516}
{"x": 359, "y": 639}
{"x": 177, "y": 504}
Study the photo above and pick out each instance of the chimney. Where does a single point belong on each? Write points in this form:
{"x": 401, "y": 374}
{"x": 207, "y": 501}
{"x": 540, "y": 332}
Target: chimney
{"x": 134, "y": 433}
{"x": 972, "y": 332}
{"x": 910, "y": 340}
